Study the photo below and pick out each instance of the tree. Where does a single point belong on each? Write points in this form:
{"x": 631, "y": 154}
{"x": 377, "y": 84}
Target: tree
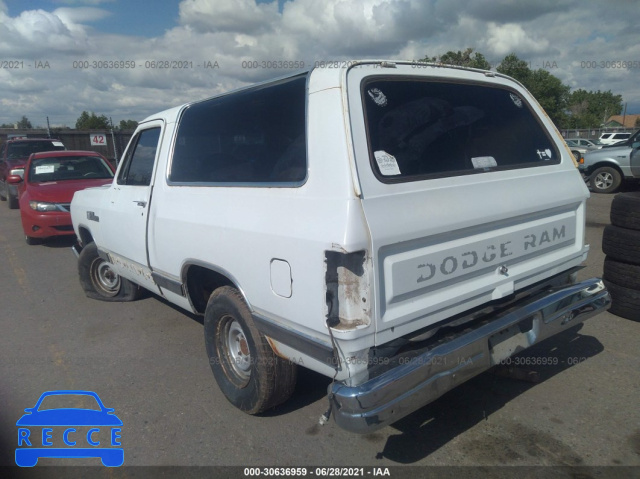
{"x": 591, "y": 109}
{"x": 463, "y": 59}
{"x": 580, "y": 109}
{"x": 550, "y": 92}
{"x": 91, "y": 121}
{"x": 128, "y": 125}
{"x": 514, "y": 67}
{"x": 24, "y": 123}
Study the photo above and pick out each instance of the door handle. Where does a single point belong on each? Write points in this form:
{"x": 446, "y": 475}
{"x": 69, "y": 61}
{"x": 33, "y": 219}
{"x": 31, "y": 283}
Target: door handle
{"x": 140, "y": 203}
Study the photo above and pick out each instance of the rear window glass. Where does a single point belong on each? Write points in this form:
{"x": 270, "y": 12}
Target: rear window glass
{"x": 61, "y": 168}
{"x": 418, "y": 129}
{"x": 254, "y": 136}
{"x": 24, "y": 149}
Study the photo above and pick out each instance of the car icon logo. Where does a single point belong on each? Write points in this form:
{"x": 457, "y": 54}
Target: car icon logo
{"x": 55, "y": 428}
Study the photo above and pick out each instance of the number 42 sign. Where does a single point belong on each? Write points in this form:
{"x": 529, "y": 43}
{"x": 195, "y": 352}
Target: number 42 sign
{"x": 98, "y": 139}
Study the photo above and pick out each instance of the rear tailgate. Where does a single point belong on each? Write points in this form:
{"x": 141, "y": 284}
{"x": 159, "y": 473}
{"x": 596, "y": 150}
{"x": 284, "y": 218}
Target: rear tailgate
{"x": 466, "y": 195}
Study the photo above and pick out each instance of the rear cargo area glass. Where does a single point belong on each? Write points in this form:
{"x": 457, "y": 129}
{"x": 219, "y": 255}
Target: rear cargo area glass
{"x": 419, "y": 128}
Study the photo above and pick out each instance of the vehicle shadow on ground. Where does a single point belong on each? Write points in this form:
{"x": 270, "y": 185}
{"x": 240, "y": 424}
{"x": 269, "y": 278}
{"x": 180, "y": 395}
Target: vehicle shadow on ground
{"x": 428, "y": 429}
{"x": 625, "y": 187}
{"x": 310, "y": 388}
{"x": 59, "y": 242}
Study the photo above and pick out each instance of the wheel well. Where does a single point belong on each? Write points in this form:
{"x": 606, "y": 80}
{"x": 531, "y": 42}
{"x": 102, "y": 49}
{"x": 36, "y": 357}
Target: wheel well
{"x": 85, "y": 236}
{"x": 201, "y": 282}
{"x": 603, "y": 164}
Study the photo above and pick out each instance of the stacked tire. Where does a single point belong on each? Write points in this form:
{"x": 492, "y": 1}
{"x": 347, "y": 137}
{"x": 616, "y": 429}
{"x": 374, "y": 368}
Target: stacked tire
{"x": 621, "y": 244}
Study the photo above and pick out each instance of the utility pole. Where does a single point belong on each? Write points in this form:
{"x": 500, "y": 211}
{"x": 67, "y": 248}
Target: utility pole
{"x": 48, "y": 128}
{"x": 606, "y": 116}
{"x": 113, "y": 140}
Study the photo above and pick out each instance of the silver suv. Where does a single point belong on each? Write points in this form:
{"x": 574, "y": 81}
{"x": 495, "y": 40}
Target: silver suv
{"x": 607, "y": 168}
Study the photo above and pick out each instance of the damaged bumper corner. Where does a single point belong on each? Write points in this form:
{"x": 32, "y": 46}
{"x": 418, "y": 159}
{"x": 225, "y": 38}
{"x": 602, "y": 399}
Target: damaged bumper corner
{"x": 398, "y": 392}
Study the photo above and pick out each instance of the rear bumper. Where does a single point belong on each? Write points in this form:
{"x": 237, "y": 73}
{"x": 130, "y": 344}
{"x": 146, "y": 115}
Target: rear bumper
{"x": 415, "y": 383}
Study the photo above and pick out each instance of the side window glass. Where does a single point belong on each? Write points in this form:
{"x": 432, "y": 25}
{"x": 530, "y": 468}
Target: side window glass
{"x": 254, "y": 137}
{"x": 138, "y": 164}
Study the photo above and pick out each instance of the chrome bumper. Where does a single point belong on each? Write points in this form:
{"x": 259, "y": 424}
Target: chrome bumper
{"x": 76, "y": 248}
{"x": 422, "y": 379}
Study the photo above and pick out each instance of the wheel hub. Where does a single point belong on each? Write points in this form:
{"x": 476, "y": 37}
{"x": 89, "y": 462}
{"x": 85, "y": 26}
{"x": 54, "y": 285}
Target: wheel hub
{"x": 238, "y": 352}
{"x": 105, "y": 278}
{"x": 604, "y": 180}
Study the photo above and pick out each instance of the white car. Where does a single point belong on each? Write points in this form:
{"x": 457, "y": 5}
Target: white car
{"x": 613, "y": 138}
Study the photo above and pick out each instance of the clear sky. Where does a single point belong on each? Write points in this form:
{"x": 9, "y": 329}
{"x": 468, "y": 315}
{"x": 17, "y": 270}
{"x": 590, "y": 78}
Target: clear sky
{"x": 59, "y": 56}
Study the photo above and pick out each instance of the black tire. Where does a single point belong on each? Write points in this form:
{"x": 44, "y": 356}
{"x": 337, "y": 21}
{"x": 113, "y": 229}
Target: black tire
{"x": 625, "y": 302}
{"x": 622, "y": 274}
{"x": 625, "y": 210}
{"x": 621, "y": 244}
{"x": 3, "y": 196}
{"x": 30, "y": 240}
{"x": 576, "y": 154}
{"x": 605, "y": 179}
{"x": 12, "y": 201}
{"x": 100, "y": 282}
{"x": 250, "y": 375}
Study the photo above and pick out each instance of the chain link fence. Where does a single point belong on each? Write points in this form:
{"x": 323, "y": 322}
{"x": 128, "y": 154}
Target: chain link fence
{"x": 593, "y": 133}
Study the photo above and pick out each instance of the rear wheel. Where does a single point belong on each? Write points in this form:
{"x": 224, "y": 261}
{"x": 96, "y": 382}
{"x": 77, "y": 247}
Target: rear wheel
{"x": 605, "y": 180}
{"x": 250, "y": 375}
{"x": 100, "y": 281}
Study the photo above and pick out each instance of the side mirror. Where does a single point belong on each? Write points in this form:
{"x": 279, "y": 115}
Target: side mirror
{"x": 14, "y": 179}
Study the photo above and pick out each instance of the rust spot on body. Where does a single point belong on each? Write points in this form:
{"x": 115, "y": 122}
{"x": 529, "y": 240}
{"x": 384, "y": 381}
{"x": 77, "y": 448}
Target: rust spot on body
{"x": 274, "y": 348}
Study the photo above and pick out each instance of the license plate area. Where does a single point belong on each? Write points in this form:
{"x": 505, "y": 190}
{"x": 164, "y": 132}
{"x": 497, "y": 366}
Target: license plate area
{"x": 511, "y": 340}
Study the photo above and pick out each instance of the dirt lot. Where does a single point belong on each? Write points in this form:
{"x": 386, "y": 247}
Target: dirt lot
{"x": 147, "y": 360}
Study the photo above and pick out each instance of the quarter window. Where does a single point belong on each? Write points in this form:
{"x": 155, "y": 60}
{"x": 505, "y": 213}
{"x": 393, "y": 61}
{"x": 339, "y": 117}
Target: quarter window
{"x": 255, "y": 136}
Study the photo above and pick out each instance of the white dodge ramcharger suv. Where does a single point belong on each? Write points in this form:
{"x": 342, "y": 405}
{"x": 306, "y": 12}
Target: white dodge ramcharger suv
{"x": 381, "y": 223}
